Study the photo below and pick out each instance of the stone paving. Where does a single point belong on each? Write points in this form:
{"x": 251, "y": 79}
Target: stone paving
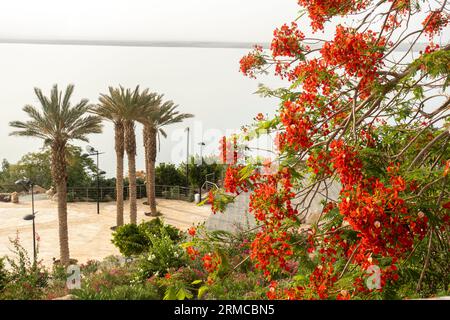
{"x": 89, "y": 233}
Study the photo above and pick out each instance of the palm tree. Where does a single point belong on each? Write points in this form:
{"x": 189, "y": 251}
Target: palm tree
{"x": 57, "y": 123}
{"x": 110, "y": 109}
{"x": 156, "y": 116}
{"x": 123, "y": 106}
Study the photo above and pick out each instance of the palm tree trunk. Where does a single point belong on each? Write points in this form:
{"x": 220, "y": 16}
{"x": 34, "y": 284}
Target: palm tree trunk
{"x": 59, "y": 174}
{"x": 152, "y": 133}
{"x": 146, "y": 155}
{"x": 130, "y": 146}
{"x": 119, "y": 146}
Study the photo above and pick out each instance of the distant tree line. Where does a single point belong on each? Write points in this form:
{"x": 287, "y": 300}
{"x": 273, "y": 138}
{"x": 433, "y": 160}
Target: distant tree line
{"x": 81, "y": 171}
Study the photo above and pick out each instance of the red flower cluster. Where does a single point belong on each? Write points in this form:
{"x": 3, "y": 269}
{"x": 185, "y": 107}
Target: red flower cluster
{"x": 435, "y": 22}
{"x": 192, "y": 231}
{"x": 271, "y": 251}
{"x": 211, "y": 262}
{"x": 385, "y": 225}
{"x": 298, "y": 127}
{"x": 346, "y": 163}
{"x": 233, "y": 182}
{"x": 359, "y": 53}
{"x": 322, "y": 10}
{"x": 270, "y": 203}
{"x": 314, "y": 75}
{"x": 322, "y": 279}
{"x": 211, "y": 199}
{"x": 320, "y": 163}
{"x": 287, "y": 41}
{"x": 295, "y": 293}
{"x": 252, "y": 62}
{"x": 192, "y": 252}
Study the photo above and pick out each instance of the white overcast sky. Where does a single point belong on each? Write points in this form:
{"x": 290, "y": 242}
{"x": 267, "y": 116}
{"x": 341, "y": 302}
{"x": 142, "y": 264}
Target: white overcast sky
{"x": 203, "y": 81}
{"x": 166, "y": 20}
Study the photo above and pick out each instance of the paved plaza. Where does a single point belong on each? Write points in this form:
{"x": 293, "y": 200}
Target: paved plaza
{"x": 89, "y": 233}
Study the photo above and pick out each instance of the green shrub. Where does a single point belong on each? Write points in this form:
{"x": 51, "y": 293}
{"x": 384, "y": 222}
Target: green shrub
{"x": 3, "y": 275}
{"x": 238, "y": 286}
{"x": 164, "y": 254}
{"x": 26, "y": 280}
{"x": 133, "y": 239}
{"x": 129, "y": 240}
{"x": 122, "y": 292}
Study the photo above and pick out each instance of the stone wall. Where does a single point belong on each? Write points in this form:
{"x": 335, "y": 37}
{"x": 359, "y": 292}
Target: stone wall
{"x": 236, "y": 215}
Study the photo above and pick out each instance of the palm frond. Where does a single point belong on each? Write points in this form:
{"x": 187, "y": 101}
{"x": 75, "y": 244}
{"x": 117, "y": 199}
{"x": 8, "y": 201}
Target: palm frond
{"x": 57, "y": 120}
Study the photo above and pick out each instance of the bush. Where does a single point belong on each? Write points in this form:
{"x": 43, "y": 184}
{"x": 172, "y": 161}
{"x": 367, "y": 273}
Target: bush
{"x": 26, "y": 279}
{"x": 122, "y": 292}
{"x": 129, "y": 240}
{"x": 3, "y": 275}
{"x": 134, "y": 239}
{"x": 164, "y": 253}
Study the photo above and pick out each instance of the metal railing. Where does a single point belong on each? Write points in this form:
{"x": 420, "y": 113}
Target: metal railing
{"x": 105, "y": 194}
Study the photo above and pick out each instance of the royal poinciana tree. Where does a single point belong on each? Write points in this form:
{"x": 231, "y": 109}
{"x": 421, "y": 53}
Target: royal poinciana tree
{"x": 367, "y": 109}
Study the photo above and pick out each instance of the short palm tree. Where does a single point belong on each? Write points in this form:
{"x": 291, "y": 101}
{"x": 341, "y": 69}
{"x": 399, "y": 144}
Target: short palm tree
{"x": 157, "y": 116}
{"x": 57, "y": 122}
{"x": 123, "y": 106}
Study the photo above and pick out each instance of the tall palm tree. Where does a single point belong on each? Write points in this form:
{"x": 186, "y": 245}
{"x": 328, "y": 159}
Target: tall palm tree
{"x": 110, "y": 109}
{"x": 123, "y": 106}
{"x": 156, "y": 116}
{"x": 57, "y": 123}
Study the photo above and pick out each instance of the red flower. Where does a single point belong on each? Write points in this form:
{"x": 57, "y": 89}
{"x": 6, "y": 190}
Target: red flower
{"x": 447, "y": 168}
{"x": 252, "y": 62}
{"x": 435, "y": 22}
{"x": 233, "y": 182}
{"x": 322, "y": 10}
{"x": 287, "y": 41}
{"x": 211, "y": 262}
{"x": 192, "y": 231}
{"x": 360, "y": 54}
{"x": 298, "y": 127}
{"x": 192, "y": 252}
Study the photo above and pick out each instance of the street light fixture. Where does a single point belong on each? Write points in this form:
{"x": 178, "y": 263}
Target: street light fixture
{"x": 27, "y": 184}
{"x": 91, "y": 151}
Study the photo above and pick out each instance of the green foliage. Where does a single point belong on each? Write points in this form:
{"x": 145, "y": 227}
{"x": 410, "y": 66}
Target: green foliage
{"x": 133, "y": 239}
{"x": 435, "y": 64}
{"x": 164, "y": 253}
{"x": 122, "y": 292}
{"x": 200, "y": 168}
{"x": 170, "y": 175}
{"x": 3, "y": 275}
{"x": 237, "y": 286}
{"x": 37, "y": 167}
{"x": 129, "y": 240}
{"x": 113, "y": 281}
{"x": 25, "y": 279}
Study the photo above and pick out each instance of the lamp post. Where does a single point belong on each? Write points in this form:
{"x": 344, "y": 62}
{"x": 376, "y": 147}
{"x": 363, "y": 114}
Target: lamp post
{"x": 187, "y": 157}
{"x": 27, "y": 184}
{"x": 91, "y": 151}
{"x": 201, "y": 144}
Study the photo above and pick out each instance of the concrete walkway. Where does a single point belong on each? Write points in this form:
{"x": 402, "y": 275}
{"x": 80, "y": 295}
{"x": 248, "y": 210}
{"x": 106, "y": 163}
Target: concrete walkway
{"x": 89, "y": 233}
